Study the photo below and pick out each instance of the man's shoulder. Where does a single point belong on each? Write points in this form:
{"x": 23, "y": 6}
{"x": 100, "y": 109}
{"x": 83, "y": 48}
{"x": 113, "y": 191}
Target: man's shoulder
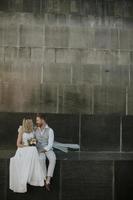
{"x": 50, "y": 129}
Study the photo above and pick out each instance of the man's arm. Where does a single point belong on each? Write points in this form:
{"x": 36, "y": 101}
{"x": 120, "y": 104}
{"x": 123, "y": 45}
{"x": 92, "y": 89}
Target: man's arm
{"x": 50, "y": 140}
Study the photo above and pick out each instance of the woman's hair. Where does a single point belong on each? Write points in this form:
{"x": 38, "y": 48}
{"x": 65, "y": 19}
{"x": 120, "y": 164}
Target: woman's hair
{"x": 27, "y": 125}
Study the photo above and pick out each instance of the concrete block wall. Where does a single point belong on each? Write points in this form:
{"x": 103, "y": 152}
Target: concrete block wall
{"x": 66, "y": 56}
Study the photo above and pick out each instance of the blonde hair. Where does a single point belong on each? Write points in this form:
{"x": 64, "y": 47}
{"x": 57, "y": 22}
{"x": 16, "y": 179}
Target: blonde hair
{"x": 27, "y": 125}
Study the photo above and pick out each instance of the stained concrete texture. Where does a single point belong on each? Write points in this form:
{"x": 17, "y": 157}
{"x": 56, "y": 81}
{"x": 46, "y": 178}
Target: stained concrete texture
{"x": 66, "y": 56}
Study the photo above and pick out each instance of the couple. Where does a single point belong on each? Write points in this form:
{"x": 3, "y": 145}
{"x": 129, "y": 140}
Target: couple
{"x": 35, "y": 144}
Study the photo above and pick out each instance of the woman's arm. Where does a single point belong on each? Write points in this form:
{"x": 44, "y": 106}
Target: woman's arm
{"x": 19, "y": 140}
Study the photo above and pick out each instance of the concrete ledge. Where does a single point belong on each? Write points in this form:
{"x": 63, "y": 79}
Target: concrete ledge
{"x": 103, "y": 175}
{"x": 76, "y": 155}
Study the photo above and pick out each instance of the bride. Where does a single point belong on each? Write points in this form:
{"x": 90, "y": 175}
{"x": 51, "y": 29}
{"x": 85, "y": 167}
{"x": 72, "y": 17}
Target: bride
{"x": 25, "y": 165}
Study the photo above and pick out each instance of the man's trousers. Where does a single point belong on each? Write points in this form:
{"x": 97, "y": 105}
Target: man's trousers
{"x": 52, "y": 161}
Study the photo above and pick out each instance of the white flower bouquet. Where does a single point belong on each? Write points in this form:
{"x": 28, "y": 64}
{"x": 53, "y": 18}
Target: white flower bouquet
{"x": 32, "y": 142}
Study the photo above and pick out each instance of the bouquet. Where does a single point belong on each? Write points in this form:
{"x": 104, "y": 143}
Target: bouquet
{"x": 32, "y": 142}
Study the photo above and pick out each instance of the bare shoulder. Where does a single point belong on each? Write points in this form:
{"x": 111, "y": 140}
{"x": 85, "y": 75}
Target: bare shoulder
{"x": 20, "y": 131}
{"x": 20, "y": 128}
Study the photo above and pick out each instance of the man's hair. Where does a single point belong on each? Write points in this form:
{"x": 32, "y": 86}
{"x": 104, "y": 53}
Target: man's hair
{"x": 41, "y": 116}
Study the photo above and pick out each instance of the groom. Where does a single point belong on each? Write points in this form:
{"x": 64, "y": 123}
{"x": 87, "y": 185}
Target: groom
{"x": 45, "y": 137}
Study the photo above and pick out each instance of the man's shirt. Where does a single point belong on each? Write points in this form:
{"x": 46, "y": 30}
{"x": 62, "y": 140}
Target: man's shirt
{"x": 45, "y": 138}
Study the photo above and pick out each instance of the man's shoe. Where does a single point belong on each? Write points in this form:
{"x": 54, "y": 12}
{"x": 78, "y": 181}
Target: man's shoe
{"x": 47, "y": 185}
{"x": 44, "y": 184}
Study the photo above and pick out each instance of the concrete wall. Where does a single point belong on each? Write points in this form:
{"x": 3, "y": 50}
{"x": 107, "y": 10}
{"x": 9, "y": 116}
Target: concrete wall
{"x": 66, "y": 56}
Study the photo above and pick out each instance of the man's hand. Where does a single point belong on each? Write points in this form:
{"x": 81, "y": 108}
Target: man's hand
{"x": 43, "y": 151}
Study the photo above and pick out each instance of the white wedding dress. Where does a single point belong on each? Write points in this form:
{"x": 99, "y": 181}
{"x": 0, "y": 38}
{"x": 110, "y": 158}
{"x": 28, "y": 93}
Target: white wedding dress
{"x": 25, "y": 167}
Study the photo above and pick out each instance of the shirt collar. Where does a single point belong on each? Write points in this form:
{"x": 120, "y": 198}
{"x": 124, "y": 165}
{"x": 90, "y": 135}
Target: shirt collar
{"x": 46, "y": 126}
